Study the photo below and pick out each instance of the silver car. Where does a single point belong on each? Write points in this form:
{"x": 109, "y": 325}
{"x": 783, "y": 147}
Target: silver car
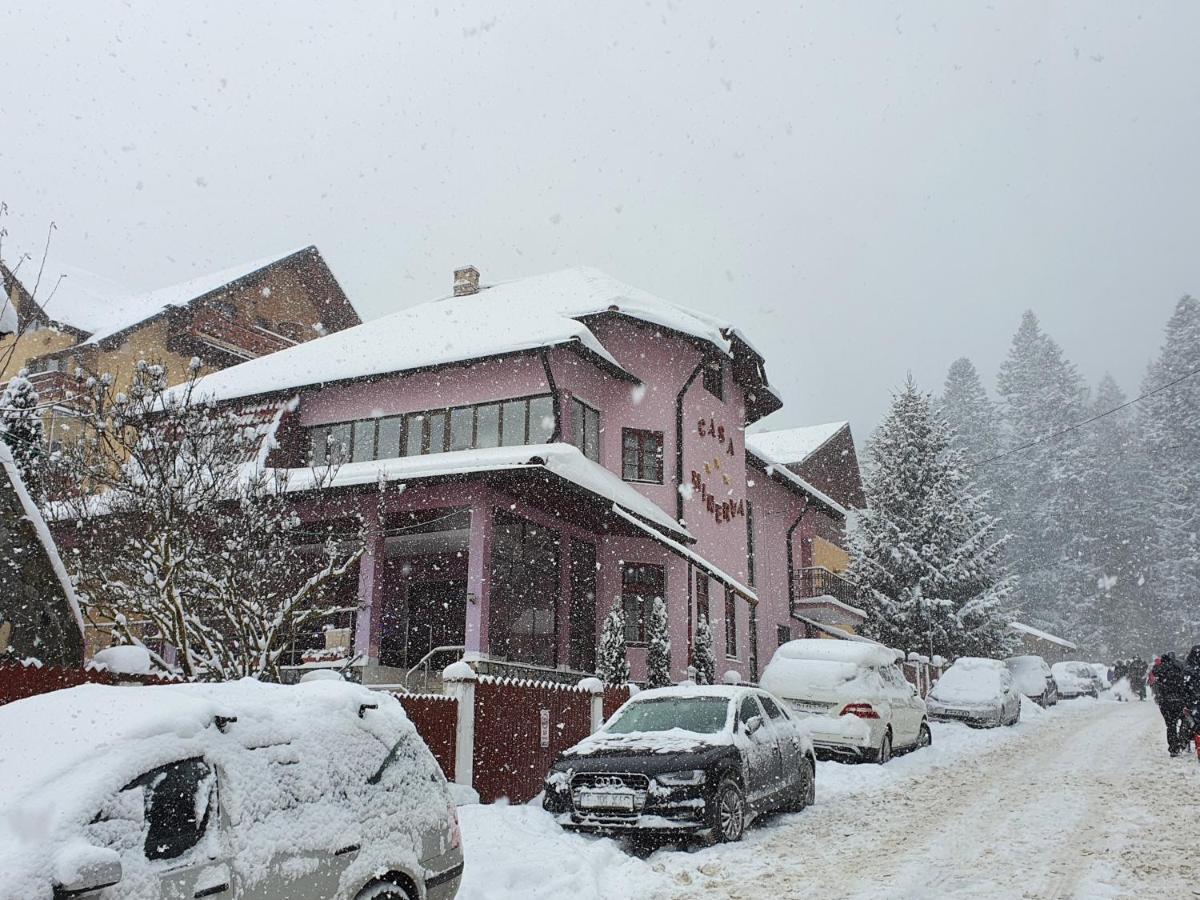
{"x": 245, "y": 790}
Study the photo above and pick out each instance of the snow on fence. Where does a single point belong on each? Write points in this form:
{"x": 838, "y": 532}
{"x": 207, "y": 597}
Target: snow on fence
{"x": 29, "y": 678}
{"x": 922, "y": 672}
{"x": 436, "y": 719}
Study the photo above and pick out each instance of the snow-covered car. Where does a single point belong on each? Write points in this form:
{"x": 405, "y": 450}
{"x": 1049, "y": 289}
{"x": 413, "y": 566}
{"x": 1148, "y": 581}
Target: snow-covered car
{"x": 977, "y": 691}
{"x": 244, "y": 789}
{"x": 1031, "y": 674}
{"x": 684, "y": 761}
{"x": 1075, "y": 679}
{"x": 855, "y": 696}
{"x": 1100, "y": 672}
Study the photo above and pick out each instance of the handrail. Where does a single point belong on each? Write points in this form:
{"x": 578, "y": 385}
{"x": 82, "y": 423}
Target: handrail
{"x": 425, "y": 660}
{"x": 817, "y": 581}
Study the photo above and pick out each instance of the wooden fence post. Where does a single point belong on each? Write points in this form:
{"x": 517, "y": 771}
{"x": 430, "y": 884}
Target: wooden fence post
{"x": 458, "y": 681}
{"x": 595, "y": 687}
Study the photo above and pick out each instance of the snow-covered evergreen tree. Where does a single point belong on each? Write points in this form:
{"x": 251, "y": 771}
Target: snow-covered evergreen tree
{"x": 21, "y": 429}
{"x": 612, "y": 660}
{"x": 1042, "y": 393}
{"x": 703, "y": 659}
{"x": 658, "y": 646}
{"x": 925, "y": 551}
{"x": 1112, "y": 532}
{"x": 1169, "y": 421}
{"x": 972, "y": 416}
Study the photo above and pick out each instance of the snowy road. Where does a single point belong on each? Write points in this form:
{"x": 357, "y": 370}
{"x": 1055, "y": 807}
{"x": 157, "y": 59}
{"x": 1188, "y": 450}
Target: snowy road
{"x": 1077, "y": 802}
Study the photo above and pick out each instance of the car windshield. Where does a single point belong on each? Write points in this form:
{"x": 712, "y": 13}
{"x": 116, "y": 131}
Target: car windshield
{"x": 702, "y": 715}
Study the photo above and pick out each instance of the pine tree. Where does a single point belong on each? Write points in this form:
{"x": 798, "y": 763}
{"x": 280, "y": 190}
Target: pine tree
{"x": 1111, "y": 528}
{"x": 1169, "y": 422}
{"x": 612, "y": 661}
{"x": 1042, "y": 393}
{"x": 971, "y": 414}
{"x": 702, "y": 653}
{"x": 658, "y": 649}
{"x": 21, "y": 429}
{"x": 925, "y": 551}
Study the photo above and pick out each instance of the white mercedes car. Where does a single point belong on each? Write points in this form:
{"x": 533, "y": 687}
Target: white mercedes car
{"x": 859, "y": 703}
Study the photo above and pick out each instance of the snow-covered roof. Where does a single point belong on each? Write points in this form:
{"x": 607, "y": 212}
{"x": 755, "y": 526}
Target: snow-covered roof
{"x": 563, "y": 460}
{"x": 793, "y": 445}
{"x": 529, "y": 313}
{"x": 780, "y": 470}
{"x": 43, "y": 533}
{"x": 1022, "y": 628}
{"x": 101, "y": 307}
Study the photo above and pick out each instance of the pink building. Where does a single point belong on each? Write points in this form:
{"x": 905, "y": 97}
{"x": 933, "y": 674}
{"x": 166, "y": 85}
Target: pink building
{"x": 555, "y": 445}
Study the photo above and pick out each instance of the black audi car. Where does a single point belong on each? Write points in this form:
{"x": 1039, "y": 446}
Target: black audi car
{"x": 685, "y": 761}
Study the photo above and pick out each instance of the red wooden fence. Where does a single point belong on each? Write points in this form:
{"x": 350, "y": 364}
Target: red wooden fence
{"x": 20, "y": 680}
{"x": 614, "y": 697}
{"x": 436, "y": 720}
{"x": 520, "y": 728}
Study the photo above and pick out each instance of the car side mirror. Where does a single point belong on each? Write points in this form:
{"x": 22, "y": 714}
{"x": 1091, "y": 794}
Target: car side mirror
{"x": 753, "y": 724}
{"x": 85, "y": 868}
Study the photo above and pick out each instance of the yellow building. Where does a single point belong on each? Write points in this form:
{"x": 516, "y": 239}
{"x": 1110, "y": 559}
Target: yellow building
{"x": 70, "y": 319}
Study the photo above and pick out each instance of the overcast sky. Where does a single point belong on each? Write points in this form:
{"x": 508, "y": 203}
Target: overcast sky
{"x": 864, "y": 189}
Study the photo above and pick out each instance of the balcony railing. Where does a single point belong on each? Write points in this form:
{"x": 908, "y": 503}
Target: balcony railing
{"x": 238, "y": 338}
{"x": 51, "y": 387}
{"x": 817, "y": 581}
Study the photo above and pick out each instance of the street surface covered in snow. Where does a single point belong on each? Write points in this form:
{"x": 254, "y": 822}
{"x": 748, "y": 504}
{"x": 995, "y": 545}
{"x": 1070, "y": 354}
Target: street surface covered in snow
{"x": 1080, "y": 801}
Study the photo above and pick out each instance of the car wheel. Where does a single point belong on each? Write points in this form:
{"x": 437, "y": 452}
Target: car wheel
{"x": 806, "y": 790}
{"x": 729, "y": 812}
{"x": 884, "y": 753}
{"x": 385, "y": 891}
{"x": 924, "y": 736}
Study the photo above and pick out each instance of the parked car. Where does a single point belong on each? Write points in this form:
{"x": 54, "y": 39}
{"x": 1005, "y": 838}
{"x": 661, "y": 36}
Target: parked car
{"x": 244, "y": 789}
{"x": 1032, "y": 676}
{"x": 977, "y": 691}
{"x": 856, "y": 696}
{"x": 1101, "y": 672}
{"x": 1075, "y": 679}
{"x": 685, "y": 761}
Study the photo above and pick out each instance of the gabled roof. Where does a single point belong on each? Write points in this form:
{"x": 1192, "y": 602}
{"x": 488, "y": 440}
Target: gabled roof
{"x": 531, "y": 313}
{"x": 1022, "y": 628}
{"x": 101, "y": 308}
{"x": 780, "y": 472}
{"x": 794, "y": 445}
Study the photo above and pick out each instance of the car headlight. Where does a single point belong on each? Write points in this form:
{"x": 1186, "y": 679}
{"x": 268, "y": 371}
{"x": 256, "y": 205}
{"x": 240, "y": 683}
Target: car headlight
{"x": 681, "y": 778}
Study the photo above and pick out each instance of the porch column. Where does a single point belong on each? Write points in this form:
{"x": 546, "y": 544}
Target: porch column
{"x": 479, "y": 560}
{"x": 370, "y": 589}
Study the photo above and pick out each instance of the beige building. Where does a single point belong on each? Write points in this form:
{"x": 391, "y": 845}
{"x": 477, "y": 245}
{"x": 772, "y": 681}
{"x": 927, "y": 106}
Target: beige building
{"x": 72, "y": 320}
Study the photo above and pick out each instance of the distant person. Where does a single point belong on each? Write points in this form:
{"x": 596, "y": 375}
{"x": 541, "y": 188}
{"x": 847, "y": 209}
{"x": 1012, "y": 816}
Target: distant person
{"x": 1137, "y": 676}
{"x": 1119, "y": 670}
{"x": 1171, "y": 685}
{"x": 1191, "y": 671}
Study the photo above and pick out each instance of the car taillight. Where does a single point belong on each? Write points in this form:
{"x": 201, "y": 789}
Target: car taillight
{"x": 862, "y": 710}
{"x": 455, "y": 834}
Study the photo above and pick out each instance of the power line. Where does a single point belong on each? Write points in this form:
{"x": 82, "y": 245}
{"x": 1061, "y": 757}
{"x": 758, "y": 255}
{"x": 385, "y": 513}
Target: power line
{"x": 1095, "y": 418}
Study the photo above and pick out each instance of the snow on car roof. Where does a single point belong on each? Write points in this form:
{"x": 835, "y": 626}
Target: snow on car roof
{"x": 794, "y": 445}
{"x": 529, "y": 313}
{"x": 725, "y": 691}
{"x": 859, "y": 654}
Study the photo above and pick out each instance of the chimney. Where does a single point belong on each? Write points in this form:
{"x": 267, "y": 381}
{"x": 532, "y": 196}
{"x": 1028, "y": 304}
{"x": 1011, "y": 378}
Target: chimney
{"x": 466, "y": 281}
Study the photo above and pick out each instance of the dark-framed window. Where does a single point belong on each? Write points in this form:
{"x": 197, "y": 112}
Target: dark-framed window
{"x": 642, "y": 455}
{"x": 783, "y": 634}
{"x": 585, "y": 429}
{"x": 522, "y": 420}
{"x": 714, "y": 378}
{"x": 702, "y": 608}
{"x": 731, "y": 648}
{"x": 641, "y": 583}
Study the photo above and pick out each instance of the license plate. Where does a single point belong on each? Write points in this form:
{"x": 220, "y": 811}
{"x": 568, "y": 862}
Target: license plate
{"x": 598, "y": 800}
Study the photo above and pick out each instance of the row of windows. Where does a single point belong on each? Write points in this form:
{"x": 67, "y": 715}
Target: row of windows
{"x": 508, "y": 423}
{"x": 642, "y": 583}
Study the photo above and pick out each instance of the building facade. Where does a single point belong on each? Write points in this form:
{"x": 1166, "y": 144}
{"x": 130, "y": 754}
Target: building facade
{"x": 550, "y": 447}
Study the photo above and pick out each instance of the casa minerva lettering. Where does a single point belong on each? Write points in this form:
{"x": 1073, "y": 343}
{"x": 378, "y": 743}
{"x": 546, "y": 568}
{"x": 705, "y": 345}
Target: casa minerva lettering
{"x": 721, "y": 510}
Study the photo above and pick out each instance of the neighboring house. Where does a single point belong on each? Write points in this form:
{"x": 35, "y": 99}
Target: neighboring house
{"x": 564, "y": 442}
{"x": 817, "y": 465}
{"x": 1048, "y": 646}
{"x": 39, "y": 614}
{"x": 72, "y": 319}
